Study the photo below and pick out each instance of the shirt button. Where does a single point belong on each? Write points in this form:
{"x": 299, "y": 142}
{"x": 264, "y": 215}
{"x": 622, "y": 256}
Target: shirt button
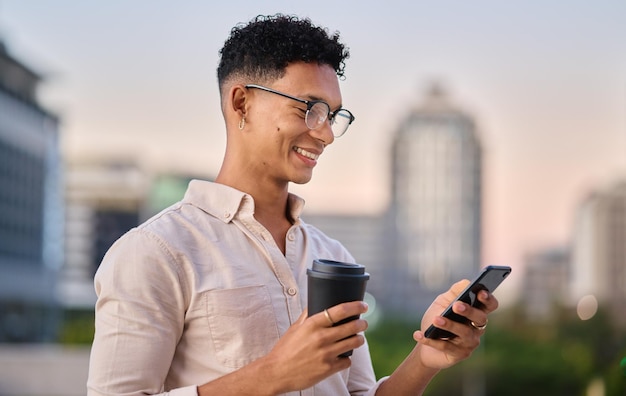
{"x": 226, "y": 215}
{"x": 291, "y": 237}
{"x": 292, "y": 291}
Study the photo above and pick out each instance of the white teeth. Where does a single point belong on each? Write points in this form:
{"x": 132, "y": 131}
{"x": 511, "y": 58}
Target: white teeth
{"x": 306, "y": 153}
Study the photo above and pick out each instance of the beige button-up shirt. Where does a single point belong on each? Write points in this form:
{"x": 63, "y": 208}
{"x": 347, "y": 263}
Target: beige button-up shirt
{"x": 201, "y": 290}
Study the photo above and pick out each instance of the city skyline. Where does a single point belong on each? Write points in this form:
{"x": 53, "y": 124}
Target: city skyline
{"x": 546, "y": 84}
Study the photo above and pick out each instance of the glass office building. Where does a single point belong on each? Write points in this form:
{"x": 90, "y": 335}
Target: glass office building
{"x": 437, "y": 172}
{"x": 31, "y": 219}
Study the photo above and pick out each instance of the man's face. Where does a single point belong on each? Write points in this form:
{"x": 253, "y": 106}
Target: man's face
{"x": 279, "y": 145}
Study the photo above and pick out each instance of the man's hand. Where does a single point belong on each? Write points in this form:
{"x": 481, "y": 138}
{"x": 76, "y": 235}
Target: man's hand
{"x": 429, "y": 355}
{"x": 441, "y": 354}
{"x": 307, "y": 353}
{"x": 309, "y": 350}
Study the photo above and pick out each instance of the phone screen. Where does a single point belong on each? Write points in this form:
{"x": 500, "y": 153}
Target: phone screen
{"x": 488, "y": 279}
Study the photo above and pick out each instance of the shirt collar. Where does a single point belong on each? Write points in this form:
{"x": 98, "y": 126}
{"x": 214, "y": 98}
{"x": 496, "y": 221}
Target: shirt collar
{"x": 224, "y": 202}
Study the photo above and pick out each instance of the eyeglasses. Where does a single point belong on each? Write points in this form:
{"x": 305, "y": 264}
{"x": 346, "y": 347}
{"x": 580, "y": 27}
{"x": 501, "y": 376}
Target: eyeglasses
{"x": 317, "y": 112}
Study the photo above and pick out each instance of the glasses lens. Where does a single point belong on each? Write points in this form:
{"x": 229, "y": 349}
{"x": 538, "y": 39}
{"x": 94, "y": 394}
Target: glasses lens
{"x": 316, "y": 115}
{"x": 341, "y": 121}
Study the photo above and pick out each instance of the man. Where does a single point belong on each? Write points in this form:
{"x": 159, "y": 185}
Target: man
{"x": 208, "y": 297}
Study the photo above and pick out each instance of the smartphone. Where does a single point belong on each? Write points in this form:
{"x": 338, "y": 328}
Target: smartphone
{"x": 488, "y": 279}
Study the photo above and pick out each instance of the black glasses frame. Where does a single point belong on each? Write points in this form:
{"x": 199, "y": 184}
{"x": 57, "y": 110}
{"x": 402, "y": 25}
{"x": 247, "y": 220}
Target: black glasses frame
{"x": 330, "y": 115}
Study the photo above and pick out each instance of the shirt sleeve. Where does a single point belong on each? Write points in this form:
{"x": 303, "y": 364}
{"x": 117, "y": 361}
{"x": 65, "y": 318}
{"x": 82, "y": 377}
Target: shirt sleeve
{"x": 139, "y": 318}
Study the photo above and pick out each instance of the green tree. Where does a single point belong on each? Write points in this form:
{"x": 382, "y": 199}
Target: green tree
{"x": 519, "y": 356}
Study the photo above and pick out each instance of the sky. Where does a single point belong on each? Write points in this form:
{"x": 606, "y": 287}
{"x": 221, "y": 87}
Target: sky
{"x": 544, "y": 80}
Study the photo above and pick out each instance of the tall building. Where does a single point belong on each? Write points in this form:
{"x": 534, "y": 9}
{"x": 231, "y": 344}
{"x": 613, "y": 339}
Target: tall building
{"x": 546, "y": 282}
{"x": 436, "y": 192}
{"x": 104, "y": 199}
{"x": 31, "y": 215}
{"x": 599, "y": 250}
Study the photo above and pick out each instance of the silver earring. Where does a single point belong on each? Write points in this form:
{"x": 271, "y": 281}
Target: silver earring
{"x": 242, "y": 123}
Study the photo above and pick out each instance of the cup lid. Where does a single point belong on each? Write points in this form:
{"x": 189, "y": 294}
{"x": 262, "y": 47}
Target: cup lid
{"x": 337, "y": 267}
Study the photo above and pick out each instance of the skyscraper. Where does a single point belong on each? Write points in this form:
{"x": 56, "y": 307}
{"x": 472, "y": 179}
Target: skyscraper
{"x": 31, "y": 219}
{"x": 599, "y": 251}
{"x": 436, "y": 206}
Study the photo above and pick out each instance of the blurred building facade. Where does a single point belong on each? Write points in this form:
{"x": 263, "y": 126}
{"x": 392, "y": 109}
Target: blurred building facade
{"x": 591, "y": 272}
{"x": 103, "y": 200}
{"x": 599, "y": 250}
{"x": 31, "y": 209}
{"x": 436, "y": 197}
{"x": 437, "y": 192}
{"x": 546, "y": 282}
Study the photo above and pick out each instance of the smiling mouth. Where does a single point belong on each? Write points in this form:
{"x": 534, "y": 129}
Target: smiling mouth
{"x": 305, "y": 153}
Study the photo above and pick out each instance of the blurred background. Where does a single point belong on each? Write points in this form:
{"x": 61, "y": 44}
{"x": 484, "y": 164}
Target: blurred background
{"x": 486, "y": 132}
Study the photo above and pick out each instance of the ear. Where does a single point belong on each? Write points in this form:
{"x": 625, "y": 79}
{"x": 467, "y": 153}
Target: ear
{"x": 238, "y": 96}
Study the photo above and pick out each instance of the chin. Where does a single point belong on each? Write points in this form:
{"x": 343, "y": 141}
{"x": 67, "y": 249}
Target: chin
{"x": 301, "y": 180}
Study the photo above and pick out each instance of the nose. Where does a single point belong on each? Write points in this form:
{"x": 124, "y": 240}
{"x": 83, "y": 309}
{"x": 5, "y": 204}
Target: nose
{"x": 324, "y": 133}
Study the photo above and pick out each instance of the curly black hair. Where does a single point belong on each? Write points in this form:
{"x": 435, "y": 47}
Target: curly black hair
{"x": 263, "y": 48}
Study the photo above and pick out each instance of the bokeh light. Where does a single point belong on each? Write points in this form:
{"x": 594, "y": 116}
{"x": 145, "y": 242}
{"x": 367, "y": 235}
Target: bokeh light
{"x": 373, "y": 314}
{"x": 587, "y": 307}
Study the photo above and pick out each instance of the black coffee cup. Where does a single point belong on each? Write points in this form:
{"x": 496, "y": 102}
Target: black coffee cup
{"x": 333, "y": 282}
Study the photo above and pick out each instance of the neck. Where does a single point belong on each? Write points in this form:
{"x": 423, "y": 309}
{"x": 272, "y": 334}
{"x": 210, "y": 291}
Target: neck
{"x": 270, "y": 205}
{"x": 270, "y": 198}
